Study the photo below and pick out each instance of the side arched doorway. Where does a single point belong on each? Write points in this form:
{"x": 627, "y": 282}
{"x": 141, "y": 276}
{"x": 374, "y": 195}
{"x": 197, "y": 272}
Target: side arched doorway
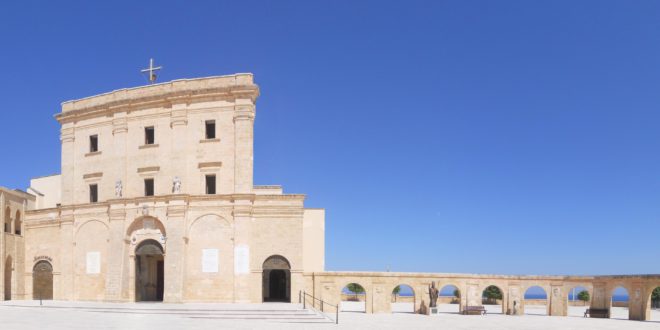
{"x": 276, "y": 285}
{"x": 149, "y": 271}
{"x": 42, "y": 281}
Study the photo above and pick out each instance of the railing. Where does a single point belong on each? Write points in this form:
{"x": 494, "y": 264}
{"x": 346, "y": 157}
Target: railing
{"x": 302, "y": 298}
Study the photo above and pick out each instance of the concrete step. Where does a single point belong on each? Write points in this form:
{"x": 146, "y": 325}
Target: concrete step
{"x": 285, "y": 313}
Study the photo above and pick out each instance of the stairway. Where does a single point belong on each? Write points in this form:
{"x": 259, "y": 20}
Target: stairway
{"x": 268, "y": 312}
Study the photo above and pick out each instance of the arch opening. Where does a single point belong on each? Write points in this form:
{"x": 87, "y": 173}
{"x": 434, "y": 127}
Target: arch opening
{"x": 654, "y": 305}
{"x": 42, "y": 281}
{"x": 276, "y": 279}
{"x": 353, "y": 298}
{"x": 17, "y": 223}
{"x": 535, "y": 301}
{"x": 7, "y": 222}
{"x": 149, "y": 271}
{"x": 449, "y": 299}
{"x": 578, "y": 300}
{"x": 619, "y": 303}
{"x": 492, "y": 298}
{"x": 403, "y": 299}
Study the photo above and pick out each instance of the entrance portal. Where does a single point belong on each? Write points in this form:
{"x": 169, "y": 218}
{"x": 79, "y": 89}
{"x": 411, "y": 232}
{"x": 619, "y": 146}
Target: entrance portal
{"x": 149, "y": 271}
{"x": 276, "y": 279}
{"x": 42, "y": 281}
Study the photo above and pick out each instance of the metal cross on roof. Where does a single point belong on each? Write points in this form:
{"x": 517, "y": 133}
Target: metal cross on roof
{"x": 151, "y": 71}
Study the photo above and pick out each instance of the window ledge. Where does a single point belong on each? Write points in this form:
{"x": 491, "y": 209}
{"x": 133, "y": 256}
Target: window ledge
{"x": 147, "y": 146}
{"x": 209, "y": 140}
{"x": 90, "y": 154}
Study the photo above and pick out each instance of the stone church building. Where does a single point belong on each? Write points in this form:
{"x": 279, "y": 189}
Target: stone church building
{"x": 156, "y": 202}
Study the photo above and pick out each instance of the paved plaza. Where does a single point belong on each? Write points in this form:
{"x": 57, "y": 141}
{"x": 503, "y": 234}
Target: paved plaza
{"x": 78, "y": 315}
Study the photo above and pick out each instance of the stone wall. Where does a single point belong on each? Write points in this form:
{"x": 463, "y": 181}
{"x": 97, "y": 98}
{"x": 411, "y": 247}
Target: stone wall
{"x": 378, "y": 286}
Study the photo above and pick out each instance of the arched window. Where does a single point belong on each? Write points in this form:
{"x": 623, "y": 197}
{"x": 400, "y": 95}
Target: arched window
{"x": 17, "y": 223}
{"x": 7, "y": 220}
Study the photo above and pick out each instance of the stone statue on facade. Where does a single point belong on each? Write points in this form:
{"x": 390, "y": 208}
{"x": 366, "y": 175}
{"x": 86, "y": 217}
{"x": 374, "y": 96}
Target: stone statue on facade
{"x": 176, "y": 185}
{"x": 433, "y": 295}
{"x": 118, "y": 188}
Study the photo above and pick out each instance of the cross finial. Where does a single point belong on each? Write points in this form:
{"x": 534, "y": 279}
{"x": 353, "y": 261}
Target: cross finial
{"x": 151, "y": 71}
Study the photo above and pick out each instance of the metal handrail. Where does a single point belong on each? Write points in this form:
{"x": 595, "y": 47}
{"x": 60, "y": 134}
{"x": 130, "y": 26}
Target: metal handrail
{"x": 302, "y": 298}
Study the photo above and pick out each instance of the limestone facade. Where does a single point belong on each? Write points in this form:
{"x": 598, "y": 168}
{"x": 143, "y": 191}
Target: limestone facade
{"x": 171, "y": 165}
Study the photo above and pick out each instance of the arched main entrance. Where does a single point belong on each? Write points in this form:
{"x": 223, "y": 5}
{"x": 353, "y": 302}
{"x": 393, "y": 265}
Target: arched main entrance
{"x": 149, "y": 271}
{"x": 42, "y": 281}
{"x": 276, "y": 285}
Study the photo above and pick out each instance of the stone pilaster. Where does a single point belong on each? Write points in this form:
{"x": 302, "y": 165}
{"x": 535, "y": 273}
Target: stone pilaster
{"x": 558, "y": 299}
{"x": 600, "y": 297}
{"x": 175, "y": 251}
{"x": 514, "y": 304}
{"x": 118, "y": 153}
{"x": 3, "y": 252}
{"x": 244, "y": 114}
{"x": 68, "y": 155}
{"x": 636, "y": 302}
{"x": 242, "y": 224}
{"x": 116, "y": 261}
{"x": 382, "y": 298}
{"x": 62, "y": 289}
{"x": 179, "y": 140}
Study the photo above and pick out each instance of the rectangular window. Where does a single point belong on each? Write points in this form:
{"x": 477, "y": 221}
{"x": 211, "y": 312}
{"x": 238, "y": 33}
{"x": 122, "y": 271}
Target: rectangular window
{"x": 93, "y": 143}
{"x": 210, "y": 184}
{"x": 149, "y": 135}
{"x": 93, "y": 193}
{"x": 210, "y": 129}
{"x": 148, "y": 187}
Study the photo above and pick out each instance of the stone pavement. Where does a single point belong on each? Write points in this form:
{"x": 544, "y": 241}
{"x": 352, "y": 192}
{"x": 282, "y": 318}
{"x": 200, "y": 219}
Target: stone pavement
{"x": 78, "y": 315}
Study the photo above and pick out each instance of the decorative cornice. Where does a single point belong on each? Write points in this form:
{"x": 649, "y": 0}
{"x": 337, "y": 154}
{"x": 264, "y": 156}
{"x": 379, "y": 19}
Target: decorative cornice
{"x": 92, "y": 175}
{"x": 148, "y": 169}
{"x": 239, "y": 86}
{"x": 209, "y": 165}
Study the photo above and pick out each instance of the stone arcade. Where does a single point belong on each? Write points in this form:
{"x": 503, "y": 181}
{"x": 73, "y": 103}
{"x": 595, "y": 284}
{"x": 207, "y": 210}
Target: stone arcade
{"x": 156, "y": 202}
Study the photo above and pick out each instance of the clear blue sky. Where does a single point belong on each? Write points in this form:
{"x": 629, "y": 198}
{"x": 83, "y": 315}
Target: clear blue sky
{"x": 515, "y": 137}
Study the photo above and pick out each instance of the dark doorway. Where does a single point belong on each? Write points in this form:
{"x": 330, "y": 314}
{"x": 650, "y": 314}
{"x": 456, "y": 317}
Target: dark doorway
{"x": 276, "y": 280}
{"x": 42, "y": 281}
{"x": 149, "y": 271}
{"x": 8, "y": 269}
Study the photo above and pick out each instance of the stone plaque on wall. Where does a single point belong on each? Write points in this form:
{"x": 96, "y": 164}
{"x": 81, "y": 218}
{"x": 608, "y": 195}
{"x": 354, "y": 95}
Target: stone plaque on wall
{"x": 93, "y": 262}
{"x": 209, "y": 260}
{"x": 242, "y": 259}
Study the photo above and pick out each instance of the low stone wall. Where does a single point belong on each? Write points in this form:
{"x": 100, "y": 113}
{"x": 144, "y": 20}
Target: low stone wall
{"x": 352, "y": 297}
{"x": 536, "y": 301}
{"x": 403, "y": 299}
{"x": 378, "y": 287}
{"x": 448, "y": 300}
{"x": 619, "y": 304}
